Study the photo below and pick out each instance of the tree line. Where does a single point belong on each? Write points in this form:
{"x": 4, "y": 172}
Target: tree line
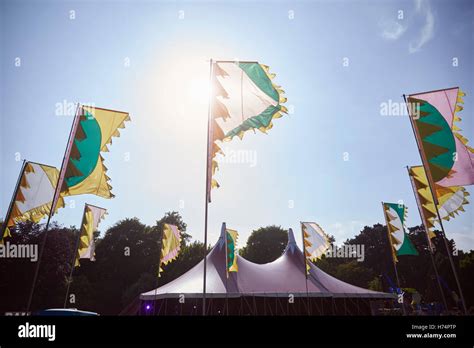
{"x": 127, "y": 258}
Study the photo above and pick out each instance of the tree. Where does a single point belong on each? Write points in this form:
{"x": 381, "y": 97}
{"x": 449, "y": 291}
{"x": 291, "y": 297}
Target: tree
{"x": 466, "y": 274}
{"x": 128, "y": 249}
{"x": 127, "y": 258}
{"x": 265, "y": 244}
{"x": 174, "y": 218}
{"x": 375, "y": 284}
{"x": 16, "y": 274}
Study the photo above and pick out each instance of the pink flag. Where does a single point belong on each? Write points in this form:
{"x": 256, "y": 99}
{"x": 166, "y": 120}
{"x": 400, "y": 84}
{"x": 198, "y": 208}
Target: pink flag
{"x": 446, "y": 103}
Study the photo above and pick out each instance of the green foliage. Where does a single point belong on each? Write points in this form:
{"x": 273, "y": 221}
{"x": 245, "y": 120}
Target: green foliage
{"x": 173, "y": 218}
{"x": 16, "y": 275}
{"x": 265, "y": 244}
{"x": 146, "y": 282}
{"x": 466, "y": 273}
{"x": 128, "y": 256}
{"x": 375, "y": 284}
{"x": 126, "y": 265}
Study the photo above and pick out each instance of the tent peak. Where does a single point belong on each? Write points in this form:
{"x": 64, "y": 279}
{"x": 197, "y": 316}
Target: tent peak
{"x": 221, "y": 240}
{"x": 291, "y": 246}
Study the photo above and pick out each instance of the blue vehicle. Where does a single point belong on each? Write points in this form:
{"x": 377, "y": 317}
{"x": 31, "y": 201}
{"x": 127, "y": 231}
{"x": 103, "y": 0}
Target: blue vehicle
{"x": 64, "y": 312}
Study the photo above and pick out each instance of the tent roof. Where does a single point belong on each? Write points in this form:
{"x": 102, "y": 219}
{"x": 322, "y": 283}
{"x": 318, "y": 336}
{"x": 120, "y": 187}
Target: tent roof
{"x": 279, "y": 278}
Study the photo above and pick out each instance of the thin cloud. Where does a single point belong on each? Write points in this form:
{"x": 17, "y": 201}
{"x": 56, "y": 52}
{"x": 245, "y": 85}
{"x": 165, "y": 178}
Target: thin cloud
{"x": 427, "y": 31}
{"x": 422, "y": 16}
{"x": 393, "y": 30}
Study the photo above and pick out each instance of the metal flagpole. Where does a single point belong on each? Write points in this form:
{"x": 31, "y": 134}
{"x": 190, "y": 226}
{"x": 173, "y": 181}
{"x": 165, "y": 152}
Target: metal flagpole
{"x": 53, "y": 204}
{"x": 73, "y": 259}
{"x": 304, "y": 265}
{"x": 435, "y": 198}
{"x": 448, "y": 251}
{"x": 158, "y": 278}
{"x": 224, "y": 234}
{"x": 430, "y": 246}
{"x": 12, "y": 202}
{"x": 393, "y": 256}
{"x": 208, "y": 188}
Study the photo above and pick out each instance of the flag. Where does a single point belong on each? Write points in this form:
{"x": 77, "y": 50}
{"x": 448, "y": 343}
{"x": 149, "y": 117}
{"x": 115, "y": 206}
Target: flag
{"x": 243, "y": 98}
{"x": 90, "y": 221}
{"x": 170, "y": 245}
{"x": 424, "y": 199}
{"x": 451, "y": 200}
{"x": 33, "y": 196}
{"x": 395, "y": 215}
{"x": 447, "y": 158}
{"x": 85, "y": 171}
{"x": 315, "y": 240}
{"x": 231, "y": 251}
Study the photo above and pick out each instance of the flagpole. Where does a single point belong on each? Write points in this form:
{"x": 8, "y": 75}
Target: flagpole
{"x": 73, "y": 259}
{"x": 430, "y": 246}
{"x": 305, "y": 266}
{"x": 57, "y": 191}
{"x": 393, "y": 257}
{"x": 224, "y": 234}
{"x": 435, "y": 199}
{"x": 208, "y": 188}
{"x": 158, "y": 278}
{"x": 451, "y": 261}
{"x": 12, "y": 202}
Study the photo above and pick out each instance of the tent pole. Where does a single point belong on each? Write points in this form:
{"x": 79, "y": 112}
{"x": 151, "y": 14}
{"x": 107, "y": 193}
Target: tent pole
{"x": 428, "y": 240}
{"x": 155, "y": 302}
{"x": 305, "y": 268}
{"x": 157, "y": 282}
{"x": 435, "y": 198}
{"x": 57, "y": 191}
{"x": 254, "y": 311}
{"x": 393, "y": 257}
{"x": 264, "y": 305}
{"x": 224, "y": 233}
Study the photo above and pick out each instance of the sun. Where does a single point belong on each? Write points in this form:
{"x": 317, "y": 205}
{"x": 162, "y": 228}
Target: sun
{"x": 198, "y": 90}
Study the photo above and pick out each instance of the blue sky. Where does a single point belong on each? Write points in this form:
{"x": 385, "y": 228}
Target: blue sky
{"x": 337, "y": 61}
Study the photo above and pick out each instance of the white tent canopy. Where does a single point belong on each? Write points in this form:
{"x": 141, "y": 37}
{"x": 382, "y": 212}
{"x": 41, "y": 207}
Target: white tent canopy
{"x": 279, "y": 278}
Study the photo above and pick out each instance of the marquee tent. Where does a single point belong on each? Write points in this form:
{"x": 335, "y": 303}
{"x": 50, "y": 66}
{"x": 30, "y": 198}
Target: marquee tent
{"x": 276, "y": 288}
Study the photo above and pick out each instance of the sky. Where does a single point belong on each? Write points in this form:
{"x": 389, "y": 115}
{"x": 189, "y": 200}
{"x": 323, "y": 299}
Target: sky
{"x": 331, "y": 160}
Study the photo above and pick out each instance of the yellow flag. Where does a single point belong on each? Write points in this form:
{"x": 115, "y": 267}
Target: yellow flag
{"x": 34, "y": 194}
{"x": 90, "y": 221}
{"x": 85, "y": 171}
{"x": 170, "y": 245}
